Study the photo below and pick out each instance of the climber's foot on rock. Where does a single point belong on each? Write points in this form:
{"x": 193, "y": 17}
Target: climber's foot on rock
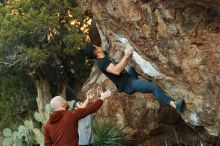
{"x": 180, "y": 105}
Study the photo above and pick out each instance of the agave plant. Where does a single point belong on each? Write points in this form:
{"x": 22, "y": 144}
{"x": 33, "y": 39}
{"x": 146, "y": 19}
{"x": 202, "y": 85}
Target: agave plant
{"x": 106, "y": 134}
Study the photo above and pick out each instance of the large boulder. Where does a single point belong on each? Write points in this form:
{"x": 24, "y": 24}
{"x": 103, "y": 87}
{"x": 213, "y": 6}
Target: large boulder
{"x": 177, "y": 45}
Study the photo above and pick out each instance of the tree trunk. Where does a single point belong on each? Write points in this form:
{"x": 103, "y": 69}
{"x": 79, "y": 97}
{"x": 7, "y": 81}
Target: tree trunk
{"x": 62, "y": 91}
{"x": 43, "y": 93}
{"x": 43, "y": 88}
{"x": 62, "y": 84}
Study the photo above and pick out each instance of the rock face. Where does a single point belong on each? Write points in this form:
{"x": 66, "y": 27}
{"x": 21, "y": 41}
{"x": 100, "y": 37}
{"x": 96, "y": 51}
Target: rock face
{"x": 180, "y": 39}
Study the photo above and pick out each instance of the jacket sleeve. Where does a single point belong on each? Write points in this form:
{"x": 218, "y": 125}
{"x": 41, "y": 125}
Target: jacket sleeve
{"x": 47, "y": 138}
{"x": 92, "y": 108}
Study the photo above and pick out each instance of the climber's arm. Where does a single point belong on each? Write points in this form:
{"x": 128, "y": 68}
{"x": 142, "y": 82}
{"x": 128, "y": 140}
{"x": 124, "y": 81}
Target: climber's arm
{"x": 119, "y": 67}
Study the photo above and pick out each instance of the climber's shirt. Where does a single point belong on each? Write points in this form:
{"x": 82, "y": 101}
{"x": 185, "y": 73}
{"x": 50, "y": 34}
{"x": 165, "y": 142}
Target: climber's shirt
{"x": 119, "y": 80}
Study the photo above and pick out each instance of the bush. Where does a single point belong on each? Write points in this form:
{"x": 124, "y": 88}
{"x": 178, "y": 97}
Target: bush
{"x": 17, "y": 97}
{"x": 106, "y": 135}
{"x": 29, "y": 133}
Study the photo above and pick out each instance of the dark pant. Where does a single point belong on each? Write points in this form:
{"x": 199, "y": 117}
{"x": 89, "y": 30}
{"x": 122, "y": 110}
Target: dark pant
{"x": 144, "y": 86}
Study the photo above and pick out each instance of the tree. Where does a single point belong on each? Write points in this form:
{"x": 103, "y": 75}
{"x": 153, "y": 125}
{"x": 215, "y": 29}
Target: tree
{"x": 44, "y": 38}
{"x": 16, "y": 97}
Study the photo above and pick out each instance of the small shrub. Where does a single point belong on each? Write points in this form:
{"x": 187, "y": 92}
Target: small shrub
{"x": 107, "y": 135}
{"x": 27, "y": 134}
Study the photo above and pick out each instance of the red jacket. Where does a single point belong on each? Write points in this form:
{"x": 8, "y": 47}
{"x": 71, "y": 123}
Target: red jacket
{"x": 61, "y": 129}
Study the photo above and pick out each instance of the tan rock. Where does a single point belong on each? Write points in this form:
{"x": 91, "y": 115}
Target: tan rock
{"x": 186, "y": 34}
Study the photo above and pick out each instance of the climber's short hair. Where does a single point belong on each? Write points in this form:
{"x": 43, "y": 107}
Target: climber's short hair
{"x": 90, "y": 51}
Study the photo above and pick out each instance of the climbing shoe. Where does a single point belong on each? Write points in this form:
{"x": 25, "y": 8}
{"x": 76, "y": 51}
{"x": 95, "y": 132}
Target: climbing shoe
{"x": 180, "y": 105}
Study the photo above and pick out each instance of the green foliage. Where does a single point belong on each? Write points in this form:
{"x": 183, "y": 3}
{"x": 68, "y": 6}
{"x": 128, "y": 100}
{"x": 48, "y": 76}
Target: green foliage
{"x": 70, "y": 40}
{"x": 17, "y": 98}
{"x": 35, "y": 34}
{"x": 7, "y": 132}
{"x": 29, "y": 124}
{"x": 17, "y": 101}
{"x": 47, "y": 111}
{"x": 7, "y": 142}
{"x": 23, "y": 130}
{"x": 29, "y": 133}
{"x": 38, "y": 117}
{"x": 39, "y": 136}
{"x": 31, "y": 29}
{"x": 107, "y": 135}
{"x": 24, "y": 135}
{"x": 43, "y": 118}
{"x": 38, "y": 33}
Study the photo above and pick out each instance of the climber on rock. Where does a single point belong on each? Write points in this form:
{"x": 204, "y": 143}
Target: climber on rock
{"x": 127, "y": 81}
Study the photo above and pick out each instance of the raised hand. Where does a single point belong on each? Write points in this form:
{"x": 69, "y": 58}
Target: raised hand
{"x": 105, "y": 94}
{"x": 89, "y": 94}
{"x": 99, "y": 90}
{"x": 128, "y": 50}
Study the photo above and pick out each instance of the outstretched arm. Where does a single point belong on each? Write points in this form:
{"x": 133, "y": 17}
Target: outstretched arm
{"x": 92, "y": 108}
{"x": 89, "y": 96}
{"x": 119, "y": 67}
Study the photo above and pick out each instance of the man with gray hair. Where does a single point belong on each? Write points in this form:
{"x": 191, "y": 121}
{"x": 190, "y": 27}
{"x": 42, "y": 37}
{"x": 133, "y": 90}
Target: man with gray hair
{"x": 56, "y": 103}
{"x": 61, "y": 129}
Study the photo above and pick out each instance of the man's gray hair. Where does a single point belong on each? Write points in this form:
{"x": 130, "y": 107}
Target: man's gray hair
{"x": 56, "y": 103}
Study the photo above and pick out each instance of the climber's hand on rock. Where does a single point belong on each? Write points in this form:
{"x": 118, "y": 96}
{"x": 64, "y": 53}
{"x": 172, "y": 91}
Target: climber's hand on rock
{"x": 128, "y": 51}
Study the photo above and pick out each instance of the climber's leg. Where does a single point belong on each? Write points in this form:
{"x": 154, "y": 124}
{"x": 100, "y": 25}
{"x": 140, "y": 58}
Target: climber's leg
{"x": 131, "y": 70}
{"x": 144, "y": 86}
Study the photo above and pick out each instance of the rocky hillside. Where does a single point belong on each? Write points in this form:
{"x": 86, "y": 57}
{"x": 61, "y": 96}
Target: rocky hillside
{"x": 177, "y": 45}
